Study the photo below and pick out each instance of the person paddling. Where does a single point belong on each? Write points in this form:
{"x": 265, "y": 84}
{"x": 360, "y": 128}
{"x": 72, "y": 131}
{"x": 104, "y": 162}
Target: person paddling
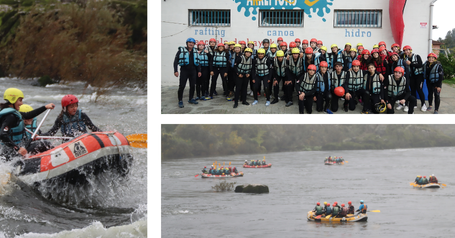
{"x": 362, "y": 208}
{"x": 12, "y": 129}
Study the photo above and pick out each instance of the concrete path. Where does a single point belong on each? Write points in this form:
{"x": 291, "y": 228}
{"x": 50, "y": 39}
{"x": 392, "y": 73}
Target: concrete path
{"x": 219, "y": 104}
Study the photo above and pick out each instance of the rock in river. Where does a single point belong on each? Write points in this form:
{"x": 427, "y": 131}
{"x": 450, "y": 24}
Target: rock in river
{"x": 252, "y": 188}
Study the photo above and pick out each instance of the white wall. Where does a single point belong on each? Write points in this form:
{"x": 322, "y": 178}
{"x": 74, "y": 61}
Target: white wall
{"x": 175, "y": 29}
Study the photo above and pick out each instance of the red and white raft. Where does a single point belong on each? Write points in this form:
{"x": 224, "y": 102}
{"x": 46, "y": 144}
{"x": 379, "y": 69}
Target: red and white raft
{"x": 73, "y": 161}
{"x": 257, "y": 166}
{"x": 239, "y": 174}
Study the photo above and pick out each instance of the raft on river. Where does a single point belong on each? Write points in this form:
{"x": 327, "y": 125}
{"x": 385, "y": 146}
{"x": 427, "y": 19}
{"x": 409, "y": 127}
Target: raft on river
{"x": 71, "y": 162}
{"x": 257, "y": 166}
{"x": 239, "y": 174}
{"x": 332, "y": 163}
{"x": 349, "y": 218}
{"x": 428, "y": 185}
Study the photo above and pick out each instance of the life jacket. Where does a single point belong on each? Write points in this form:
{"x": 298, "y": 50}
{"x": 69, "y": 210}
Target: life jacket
{"x": 349, "y": 60}
{"x": 271, "y": 55}
{"x": 376, "y": 84}
{"x": 319, "y": 210}
{"x": 73, "y": 125}
{"x": 307, "y": 83}
{"x": 219, "y": 59}
{"x": 232, "y": 58}
{"x": 320, "y": 84}
{"x": 434, "y": 72}
{"x": 394, "y": 89}
{"x": 333, "y": 60}
{"x": 335, "y": 210}
{"x": 296, "y": 68}
{"x": 210, "y": 50}
{"x": 351, "y": 210}
{"x": 433, "y": 179}
{"x": 31, "y": 127}
{"x": 245, "y": 65}
{"x": 17, "y": 132}
{"x": 414, "y": 60}
{"x": 363, "y": 208}
{"x": 344, "y": 211}
{"x": 335, "y": 82}
{"x": 398, "y": 63}
{"x": 380, "y": 68}
{"x": 312, "y": 61}
{"x": 356, "y": 81}
{"x": 280, "y": 68}
{"x": 262, "y": 69}
{"x": 184, "y": 56}
{"x": 203, "y": 58}
{"x": 328, "y": 210}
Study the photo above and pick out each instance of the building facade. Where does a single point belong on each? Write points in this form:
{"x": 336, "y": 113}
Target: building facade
{"x": 331, "y": 21}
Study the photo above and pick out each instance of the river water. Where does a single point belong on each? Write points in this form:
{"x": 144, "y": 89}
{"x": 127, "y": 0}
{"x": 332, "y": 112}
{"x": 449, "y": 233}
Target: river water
{"x": 109, "y": 206}
{"x": 297, "y": 180}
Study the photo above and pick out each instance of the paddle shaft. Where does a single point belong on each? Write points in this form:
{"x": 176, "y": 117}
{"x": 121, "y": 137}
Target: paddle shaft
{"x": 37, "y": 128}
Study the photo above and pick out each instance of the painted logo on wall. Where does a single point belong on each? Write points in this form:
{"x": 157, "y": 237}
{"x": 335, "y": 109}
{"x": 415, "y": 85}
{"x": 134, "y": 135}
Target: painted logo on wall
{"x": 251, "y": 7}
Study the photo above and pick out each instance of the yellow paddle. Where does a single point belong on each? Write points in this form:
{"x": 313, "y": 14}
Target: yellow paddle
{"x": 229, "y": 163}
{"x": 443, "y": 184}
{"x": 137, "y": 140}
{"x": 328, "y": 216}
{"x": 374, "y": 211}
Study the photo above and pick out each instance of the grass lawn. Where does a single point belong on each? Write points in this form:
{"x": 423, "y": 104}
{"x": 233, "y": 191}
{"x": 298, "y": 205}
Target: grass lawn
{"x": 450, "y": 82}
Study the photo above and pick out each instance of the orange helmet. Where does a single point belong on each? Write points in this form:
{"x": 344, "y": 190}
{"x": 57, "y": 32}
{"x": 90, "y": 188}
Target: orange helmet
{"x": 355, "y": 63}
{"x": 432, "y": 55}
{"x": 399, "y": 69}
{"x": 323, "y": 64}
{"x": 309, "y": 50}
{"x": 297, "y": 40}
{"x": 305, "y": 42}
{"x": 314, "y": 40}
{"x": 312, "y": 67}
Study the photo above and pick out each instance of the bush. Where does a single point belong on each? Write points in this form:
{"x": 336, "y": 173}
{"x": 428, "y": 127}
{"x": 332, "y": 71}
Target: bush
{"x": 223, "y": 186}
{"x": 45, "y": 80}
{"x": 448, "y": 65}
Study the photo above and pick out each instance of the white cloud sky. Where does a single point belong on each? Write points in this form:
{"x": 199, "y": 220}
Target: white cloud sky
{"x": 443, "y": 18}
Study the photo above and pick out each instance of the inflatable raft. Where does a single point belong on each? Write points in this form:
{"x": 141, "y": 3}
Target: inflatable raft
{"x": 429, "y": 185}
{"x": 73, "y": 161}
{"x": 239, "y": 174}
{"x": 257, "y": 166}
{"x": 348, "y": 218}
{"x": 332, "y": 163}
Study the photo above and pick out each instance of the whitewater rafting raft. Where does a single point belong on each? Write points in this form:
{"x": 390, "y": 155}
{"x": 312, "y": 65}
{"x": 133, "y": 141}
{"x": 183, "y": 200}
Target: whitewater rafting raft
{"x": 72, "y": 162}
{"x": 333, "y": 163}
{"x": 349, "y": 218}
{"x": 257, "y": 166}
{"x": 428, "y": 185}
{"x": 239, "y": 174}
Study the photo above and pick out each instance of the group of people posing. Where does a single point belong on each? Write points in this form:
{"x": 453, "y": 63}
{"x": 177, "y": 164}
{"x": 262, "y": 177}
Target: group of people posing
{"x": 220, "y": 171}
{"x": 377, "y": 79}
{"x": 255, "y": 162}
{"x": 423, "y": 180}
{"x": 18, "y": 122}
{"x": 335, "y": 159}
{"x": 337, "y": 210}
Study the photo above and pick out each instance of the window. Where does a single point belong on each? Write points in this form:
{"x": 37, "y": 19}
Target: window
{"x": 358, "y": 18}
{"x": 281, "y": 18}
{"x": 210, "y": 17}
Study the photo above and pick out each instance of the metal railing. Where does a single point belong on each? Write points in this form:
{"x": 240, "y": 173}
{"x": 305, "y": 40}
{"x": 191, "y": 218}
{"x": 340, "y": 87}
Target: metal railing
{"x": 281, "y": 18}
{"x": 358, "y": 18}
{"x": 210, "y": 18}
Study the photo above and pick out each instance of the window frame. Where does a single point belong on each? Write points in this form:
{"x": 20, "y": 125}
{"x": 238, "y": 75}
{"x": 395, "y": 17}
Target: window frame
{"x": 260, "y": 16}
{"x": 191, "y": 22}
{"x": 379, "y": 12}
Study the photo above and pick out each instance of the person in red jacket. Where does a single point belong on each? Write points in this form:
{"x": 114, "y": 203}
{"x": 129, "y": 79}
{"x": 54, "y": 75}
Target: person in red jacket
{"x": 433, "y": 179}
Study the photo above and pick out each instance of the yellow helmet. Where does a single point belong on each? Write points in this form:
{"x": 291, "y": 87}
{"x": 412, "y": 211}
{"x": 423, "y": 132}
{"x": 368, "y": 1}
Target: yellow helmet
{"x": 334, "y": 45}
{"x": 25, "y": 108}
{"x": 231, "y": 43}
{"x": 280, "y": 53}
{"x": 324, "y": 48}
{"x": 237, "y": 45}
{"x": 354, "y": 49}
{"x": 295, "y": 51}
{"x": 261, "y": 51}
{"x": 348, "y": 44}
{"x": 359, "y": 44}
{"x": 248, "y": 50}
{"x": 325, "y": 203}
{"x": 273, "y": 46}
{"x": 12, "y": 94}
{"x": 250, "y": 42}
{"x": 375, "y": 46}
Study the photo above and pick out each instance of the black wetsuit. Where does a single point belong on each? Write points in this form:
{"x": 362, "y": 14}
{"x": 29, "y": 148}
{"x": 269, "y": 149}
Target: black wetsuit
{"x": 59, "y": 122}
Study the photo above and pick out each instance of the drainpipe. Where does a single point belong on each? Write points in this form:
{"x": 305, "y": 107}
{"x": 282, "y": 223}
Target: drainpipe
{"x": 430, "y": 40}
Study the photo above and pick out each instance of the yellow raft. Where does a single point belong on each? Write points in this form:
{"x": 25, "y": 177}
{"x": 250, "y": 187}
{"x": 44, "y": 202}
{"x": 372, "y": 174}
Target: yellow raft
{"x": 348, "y": 218}
{"x": 428, "y": 185}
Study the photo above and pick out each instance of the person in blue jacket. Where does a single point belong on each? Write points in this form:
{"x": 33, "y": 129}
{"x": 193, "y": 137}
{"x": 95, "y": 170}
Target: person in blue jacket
{"x": 362, "y": 208}
{"x": 328, "y": 209}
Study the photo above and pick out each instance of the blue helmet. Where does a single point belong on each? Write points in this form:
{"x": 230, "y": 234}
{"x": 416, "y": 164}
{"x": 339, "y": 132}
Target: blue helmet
{"x": 191, "y": 40}
{"x": 361, "y": 201}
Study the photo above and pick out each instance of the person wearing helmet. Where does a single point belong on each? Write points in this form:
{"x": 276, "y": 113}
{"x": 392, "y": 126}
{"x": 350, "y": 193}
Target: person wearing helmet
{"x": 374, "y": 89}
{"x": 273, "y": 49}
{"x": 311, "y": 57}
{"x": 319, "y": 44}
{"x": 339, "y": 78}
{"x": 251, "y": 46}
{"x": 397, "y": 49}
{"x": 313, "y": 44}
{"x": 365, "y": 60}
{"x": 231, "y": 46}
{"x": 416, "y": 75}
{"x": 424, "y": 180}
{"x": 328, "y": 209}
{"x": 335, "y": 209}
{"x": 202, "y": 82}
{"x": 346, "y": 53}
{"x": 71, "y": 121}
{"x": 358, "y": 47}
{"x": 298, "y": 44}
{"x": 190, "y": 69}
{"x": 204, "y": 170}
{"x": 261, "y": 73}
{"x": 246, "y": 162}
{"x": 12, "y": 129}
{"x": 362, "y": 208}
{"x": 295, "y": 73}
{"x": 335, "y": 56}
{"x": 379, "y": 62}
{"x": 359, "y": 51}
{"x": 266, "y": 46}
{"x": 279, "y": 40}
{"x": 417, "y": 180}
{"x": 349, "y": 59}
{"x": 375, "y": 47}
{"x": 351, "y": 209}
{"x": 323, "y": 88}
{"x": 433, "y": 72}
{"x": 355, "y": 85}
{"x": 243, "y": 45}
{"x": 344, "y": 211}
{"x": 236, "y": 54}
{"x": 318, "y": 210}
{"x": 243, "y": 69}
{"x": 433, "y": 179}
{"x": 234, "y": 170}
{"x": 323, "y": 55}
{"x": 306, "y": 88}
{"x": 219, "y": 67}
{"x": 399, "y": 75}
{"x": 279, "y": 73}
{"x": 29, "y": 124}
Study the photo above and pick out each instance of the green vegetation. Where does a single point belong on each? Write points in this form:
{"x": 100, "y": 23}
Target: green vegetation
{"x": 192, "y": 141}
{"x": 223, "y": 186}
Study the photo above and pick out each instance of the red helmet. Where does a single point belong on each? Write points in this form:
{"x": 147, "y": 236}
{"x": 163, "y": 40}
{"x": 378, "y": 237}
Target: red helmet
{"x": 312, "y": 67}
{"x": 424, "y": 176}
{"x": 297, "y": 40}
{"x": 318, "y": 204}
{"x": 349, "y": 203}
{"x": 201, "y": 43}
{"x": 283, "y": 43}
{"x": 309, "y": 50}
{"x": 314, "y": 40}
{"x": 335, "y": 203}
{"x": 381, "y": 43}
{"x": 342, "y": 205}
{"x": 382, "y": 48}
{"x": 407, "y": 47}
{"x": 328, "y": 204}
{"x": 432, "y": 55}
{"x": 323, "y": 64}
{"x": 279, "y": 38}
{"x": 212, "y": 40}
{"x": 339, "y": 91}
{"x": 69, "y": 99}
{"x": 375, "y": 51}
{"x": 319, "y": 42}
{"x": 395, "y": 45}
{"x": 242, "y": 42}
{"x": 355, "y": 63}
{"x": 305, "y": 42}
{"x": 399, "y": 69}
{"x": 292, "y": 45}
{"x": 234, "y": 168}
{"x": 220, "y": 44}
{"x": 365, "y": 52}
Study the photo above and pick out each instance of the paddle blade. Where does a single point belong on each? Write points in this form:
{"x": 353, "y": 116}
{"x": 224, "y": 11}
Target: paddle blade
{"x": 137, "y": 140}
{"x": 196, "y": 175}
{"x": 229, "y": 163}
{"x": 328, "y": 216}
{"x": 443, "y": 184}
{"x": 317, "y": 217}
{"x": 138, "y": 144}
{"x": 374, "y": 211}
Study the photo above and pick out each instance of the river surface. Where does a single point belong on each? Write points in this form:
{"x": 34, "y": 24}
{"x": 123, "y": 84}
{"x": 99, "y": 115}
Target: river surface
{"x": 109, "y": 206}
{"x": 297, "y": 180}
